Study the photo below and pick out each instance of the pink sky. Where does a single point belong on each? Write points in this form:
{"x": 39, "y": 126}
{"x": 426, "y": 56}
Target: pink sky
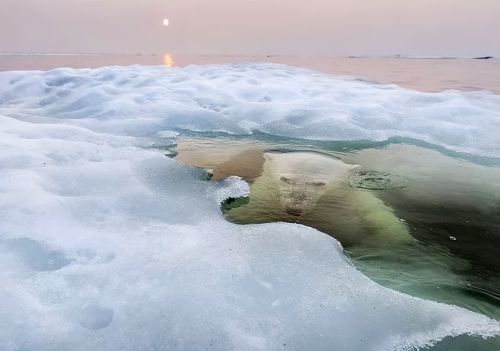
{"x": 312, "y": 27}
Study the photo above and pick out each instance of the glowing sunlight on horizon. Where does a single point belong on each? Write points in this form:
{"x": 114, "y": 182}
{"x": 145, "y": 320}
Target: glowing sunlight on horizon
{"x": 168, "y": 60}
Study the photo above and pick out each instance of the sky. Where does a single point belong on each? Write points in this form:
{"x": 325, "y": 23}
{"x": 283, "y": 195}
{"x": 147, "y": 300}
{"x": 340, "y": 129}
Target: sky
{"x": 311, "y": 27}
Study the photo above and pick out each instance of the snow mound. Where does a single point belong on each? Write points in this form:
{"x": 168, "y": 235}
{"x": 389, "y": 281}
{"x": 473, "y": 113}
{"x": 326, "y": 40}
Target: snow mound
{"x": 275, "y": 99}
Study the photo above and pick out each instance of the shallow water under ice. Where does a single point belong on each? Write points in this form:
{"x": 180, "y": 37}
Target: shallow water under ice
{"x": 381, "y": 204}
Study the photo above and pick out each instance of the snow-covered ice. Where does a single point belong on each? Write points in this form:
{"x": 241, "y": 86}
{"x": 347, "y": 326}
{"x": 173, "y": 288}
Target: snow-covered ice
{"x": 108, "y": 246}
{"x": 275, "y": 99}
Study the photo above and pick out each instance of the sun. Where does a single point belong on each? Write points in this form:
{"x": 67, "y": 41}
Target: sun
{"x": 165, "y": 22}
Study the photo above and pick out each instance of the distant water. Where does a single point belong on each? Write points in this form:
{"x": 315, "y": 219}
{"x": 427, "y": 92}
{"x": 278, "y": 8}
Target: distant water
{"x": 424, "y": 74}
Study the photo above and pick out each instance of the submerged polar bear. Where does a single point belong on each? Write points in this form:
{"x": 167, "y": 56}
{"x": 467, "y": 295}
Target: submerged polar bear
{"x": 313, "y": 189}
{"x": 301, "y": 178}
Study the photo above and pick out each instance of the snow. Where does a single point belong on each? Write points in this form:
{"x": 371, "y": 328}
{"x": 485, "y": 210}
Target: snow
{"x": 239, "y": 99}
{"x": 108, "y": 246}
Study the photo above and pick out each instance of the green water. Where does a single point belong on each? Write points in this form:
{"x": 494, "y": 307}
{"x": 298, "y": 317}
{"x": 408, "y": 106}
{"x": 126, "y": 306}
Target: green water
{"x": 412, "y": 218}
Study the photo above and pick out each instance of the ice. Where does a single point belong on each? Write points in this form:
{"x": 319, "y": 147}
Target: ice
{"x": 33, "y": 254}
{"x": 275, "y": 99}
{"x": 105, "y": 245}
{"x": 95, "y": 317}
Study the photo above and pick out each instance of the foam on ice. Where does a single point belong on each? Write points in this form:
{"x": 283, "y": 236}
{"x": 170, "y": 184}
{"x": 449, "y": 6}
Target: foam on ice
{"x": 108, "y": 246}
{"x": 275, "y": 99}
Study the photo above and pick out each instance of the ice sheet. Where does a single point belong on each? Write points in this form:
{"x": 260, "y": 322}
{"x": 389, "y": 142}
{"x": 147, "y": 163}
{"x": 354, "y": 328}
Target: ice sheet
{"x": 108, "y": 246}
{"x": 275, "y": 99}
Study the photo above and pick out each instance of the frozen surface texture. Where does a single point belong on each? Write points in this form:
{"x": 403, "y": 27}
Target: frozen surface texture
{"x": 108, "y": 246}
{"x": 276, "y": 99}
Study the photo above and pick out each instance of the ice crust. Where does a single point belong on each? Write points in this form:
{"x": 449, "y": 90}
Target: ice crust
{"x": 275, "y": 99}
{"x": 108, "y": 246}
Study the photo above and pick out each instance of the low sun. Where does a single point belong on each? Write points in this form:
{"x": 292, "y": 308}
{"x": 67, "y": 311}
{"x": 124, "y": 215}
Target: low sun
{"x": 165, "y": 22}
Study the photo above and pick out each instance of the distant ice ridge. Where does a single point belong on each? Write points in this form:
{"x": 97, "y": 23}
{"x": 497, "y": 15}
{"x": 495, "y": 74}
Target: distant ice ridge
{"x": 107, "y": 246}
{"x": 275, "y": 99}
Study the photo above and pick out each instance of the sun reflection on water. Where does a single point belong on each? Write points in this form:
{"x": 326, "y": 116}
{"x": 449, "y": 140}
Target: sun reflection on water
{"x": 168, "y": 60}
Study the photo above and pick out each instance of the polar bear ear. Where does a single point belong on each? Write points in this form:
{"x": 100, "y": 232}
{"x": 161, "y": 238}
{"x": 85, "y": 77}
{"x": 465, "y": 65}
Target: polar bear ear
{"x": 285, "y": 179}
{"x": 317, "y": 183}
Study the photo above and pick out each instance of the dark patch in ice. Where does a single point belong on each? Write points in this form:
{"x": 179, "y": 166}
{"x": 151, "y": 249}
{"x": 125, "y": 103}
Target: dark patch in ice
{"x": 59, "y": 81}
{"x": 95, "y": 317}
{"x": 171, "y": 154}
{"x": 63, "y": 93}
{"x": 88, "y": 255}
{"x": 209, "y": 173}
{"x": 233, "y": 202}
{"x": 35, "y": 255}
